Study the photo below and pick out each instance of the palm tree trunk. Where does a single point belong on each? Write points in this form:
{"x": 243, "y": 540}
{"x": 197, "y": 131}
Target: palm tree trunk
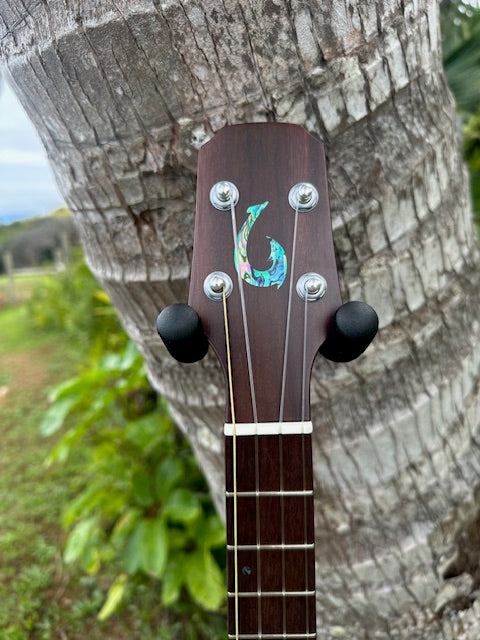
{"x": 123, "y": 94}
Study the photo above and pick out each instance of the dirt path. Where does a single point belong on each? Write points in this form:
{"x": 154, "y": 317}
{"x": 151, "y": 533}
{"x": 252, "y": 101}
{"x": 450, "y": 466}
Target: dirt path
{"x": 22, "y": 372}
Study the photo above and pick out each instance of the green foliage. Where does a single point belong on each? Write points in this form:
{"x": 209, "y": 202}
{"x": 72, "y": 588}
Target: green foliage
{"x": 461, "y": 52}
{"x": 146, "y": 503}
{"x": 143, "y": 511}
{"x": 472, "y": 155}
{"x": 72, "y": 302}
{"x": 460, "y": 23}
{"x": 145, "y": 506}
{"x": 38, "y": 597}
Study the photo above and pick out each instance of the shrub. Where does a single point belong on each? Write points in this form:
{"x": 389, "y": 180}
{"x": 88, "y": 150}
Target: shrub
{"x": 73, "y": 302}
{"x": 143, "y": 509}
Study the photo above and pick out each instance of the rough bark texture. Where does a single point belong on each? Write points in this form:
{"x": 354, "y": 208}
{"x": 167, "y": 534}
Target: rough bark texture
{"x": 124, "y": 93}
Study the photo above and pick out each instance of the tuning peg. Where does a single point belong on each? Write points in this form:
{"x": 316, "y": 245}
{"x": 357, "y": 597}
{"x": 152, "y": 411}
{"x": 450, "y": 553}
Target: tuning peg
{"x": 351, "y": 330}
{"x": 180, "y": 328}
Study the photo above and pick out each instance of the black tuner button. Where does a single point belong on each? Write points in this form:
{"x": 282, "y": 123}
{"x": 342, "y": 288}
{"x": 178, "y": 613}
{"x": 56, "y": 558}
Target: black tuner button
{"x": 352, "y": 328}
{"x": 181, "y": 330}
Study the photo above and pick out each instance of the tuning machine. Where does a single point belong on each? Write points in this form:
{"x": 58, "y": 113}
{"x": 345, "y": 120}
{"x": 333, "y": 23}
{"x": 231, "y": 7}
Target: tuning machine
{"x": 303, "y": 197}
{"x": 223, "y": 195}
{"x": 311, "y": 286}
{"x": 216, "y": 283}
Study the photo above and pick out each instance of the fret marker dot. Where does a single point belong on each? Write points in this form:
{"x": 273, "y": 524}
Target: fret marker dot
{"x": 247, "y": 571}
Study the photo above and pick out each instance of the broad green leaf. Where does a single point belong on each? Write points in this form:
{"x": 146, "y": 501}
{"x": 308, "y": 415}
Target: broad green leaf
{"x": 147, "y": 548}
{"x": 79, "y": 539}
{"x": 142, "y": 488}
{"x": 77, "y": 386}
{"x": 83, "y": 504}
{"x": 204, "y": 580}
{"x": 114, "y": 597}
{"x": 129, "y": 356}
{"x": 55, "y": 415}
{"x": 91, "y": 561}
{"x": 110, "y": 362}
{"x": 132, "y": 553}
{"x": 182, "y": 506}
{"x": 58, "y": 454}
{"x": 102, "y": 296}
{"x": 168, "y": 473}
{"x": 153, "y": 547}
{"x": 120, "y": 361}
{"x": 143, "y": 431}
{"x": 172, "y": 580}
{"x": 180, "y": 538}
{"x": 123, "y": 526}
{"x": 67, "y": 387}
{"x": 210, "y": 532}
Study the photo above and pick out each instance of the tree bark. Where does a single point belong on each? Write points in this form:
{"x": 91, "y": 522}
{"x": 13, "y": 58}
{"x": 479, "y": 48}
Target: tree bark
{"x": 124, "y": 93}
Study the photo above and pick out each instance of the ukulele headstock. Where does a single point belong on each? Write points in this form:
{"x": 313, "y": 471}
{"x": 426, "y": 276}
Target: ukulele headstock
{"x": 263, "y": 235}
{"x": 268, "y": 171}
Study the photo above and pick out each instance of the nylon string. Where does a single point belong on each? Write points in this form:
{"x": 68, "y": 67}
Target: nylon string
{"x": 234, "y": 461}
{"x": 289, "y": 308}
{"x": 304, "y": 478}
{"x": 255, "y": 420}
{"x": 281, "y": 414}
{"x": 244, "y": 320}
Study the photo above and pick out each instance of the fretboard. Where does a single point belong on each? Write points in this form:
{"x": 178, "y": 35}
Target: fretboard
{"x": 275, "y": 535}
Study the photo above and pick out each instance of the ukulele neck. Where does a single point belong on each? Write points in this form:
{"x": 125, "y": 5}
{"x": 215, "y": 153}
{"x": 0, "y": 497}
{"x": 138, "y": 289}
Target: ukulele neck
{"x": 274, "y": 545}
{"x": 270, "y": 249}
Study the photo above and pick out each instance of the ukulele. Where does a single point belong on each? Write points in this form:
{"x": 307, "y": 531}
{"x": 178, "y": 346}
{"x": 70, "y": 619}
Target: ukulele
{"x": 264, "y": 294}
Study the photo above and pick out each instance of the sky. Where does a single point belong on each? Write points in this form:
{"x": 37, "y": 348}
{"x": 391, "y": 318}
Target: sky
{"x": 27, "y": 186}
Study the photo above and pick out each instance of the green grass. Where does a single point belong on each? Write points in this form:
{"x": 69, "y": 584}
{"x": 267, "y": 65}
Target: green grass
{"x": 40, "y": 597}
{"x": 24, "y": 285}
{"x": 16, "y": 336}
{"x": 32, "y": 577}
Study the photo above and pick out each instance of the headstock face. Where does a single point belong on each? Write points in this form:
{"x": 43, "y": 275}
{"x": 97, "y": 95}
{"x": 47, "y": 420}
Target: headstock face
{"x": 264, "y": 161}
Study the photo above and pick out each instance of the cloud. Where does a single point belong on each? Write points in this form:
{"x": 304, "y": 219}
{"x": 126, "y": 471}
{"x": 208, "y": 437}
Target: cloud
{"x": 26, "y": 181}
{"x": 22, "y": 157}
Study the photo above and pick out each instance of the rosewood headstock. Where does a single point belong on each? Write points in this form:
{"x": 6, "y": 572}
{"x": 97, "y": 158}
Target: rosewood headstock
{"x": 276, "y": 233}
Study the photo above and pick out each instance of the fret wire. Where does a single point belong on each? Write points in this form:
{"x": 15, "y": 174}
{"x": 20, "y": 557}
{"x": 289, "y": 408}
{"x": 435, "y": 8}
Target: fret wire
{"x": 273, "y": 594}
{"x": 272, "y": 636}
{"x": 270, "y": 494}
{"x": 253, "y": 547}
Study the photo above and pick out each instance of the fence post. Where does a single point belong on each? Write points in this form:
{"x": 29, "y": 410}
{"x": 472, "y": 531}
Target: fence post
{"x": 59, "y": 261}
{"x": 65, "y": 239}
{"x": 8, "y": 264}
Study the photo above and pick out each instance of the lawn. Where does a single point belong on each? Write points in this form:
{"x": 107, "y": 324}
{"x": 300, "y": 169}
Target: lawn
{"x": 24, "y": 283}
{"x": 40, "y": 599}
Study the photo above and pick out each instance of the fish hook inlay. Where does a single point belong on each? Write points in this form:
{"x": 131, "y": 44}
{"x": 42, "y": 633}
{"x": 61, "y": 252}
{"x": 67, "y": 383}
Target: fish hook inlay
{"x": 275, "y": 275}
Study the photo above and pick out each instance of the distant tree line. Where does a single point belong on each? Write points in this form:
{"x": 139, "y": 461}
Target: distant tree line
{"x": 35, "y": 242}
